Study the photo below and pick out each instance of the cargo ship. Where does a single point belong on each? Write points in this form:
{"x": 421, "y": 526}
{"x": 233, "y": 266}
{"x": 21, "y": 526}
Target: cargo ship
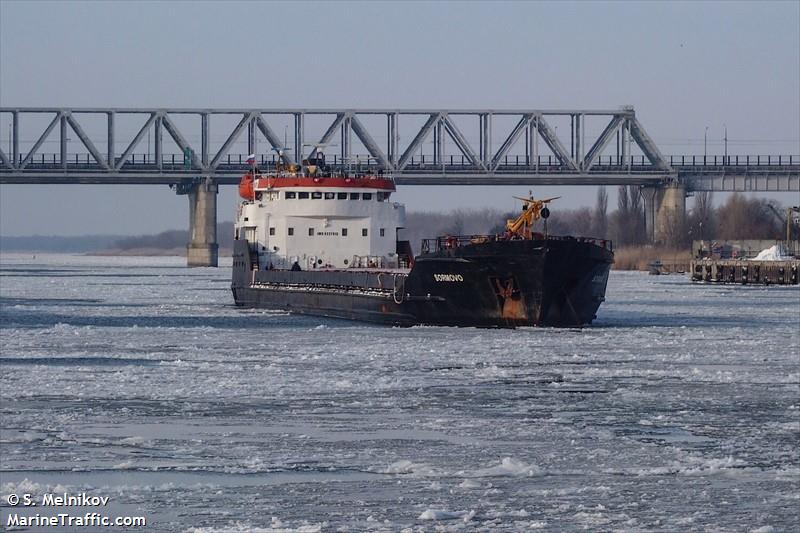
{"x": 317, "y": 241}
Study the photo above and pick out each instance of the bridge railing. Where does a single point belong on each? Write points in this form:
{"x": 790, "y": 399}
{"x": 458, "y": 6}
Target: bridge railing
{"x": 545, "y": 164}
{"x": 733, "y": 160}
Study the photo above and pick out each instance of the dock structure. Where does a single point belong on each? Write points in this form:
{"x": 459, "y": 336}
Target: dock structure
{"x": 745, "y": 272}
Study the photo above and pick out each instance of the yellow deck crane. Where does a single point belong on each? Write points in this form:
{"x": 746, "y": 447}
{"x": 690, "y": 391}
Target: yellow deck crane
{"x": 532, "y": 210}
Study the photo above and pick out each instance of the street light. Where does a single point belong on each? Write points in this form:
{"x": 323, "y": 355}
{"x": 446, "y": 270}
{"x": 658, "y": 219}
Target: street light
{"x": 705, "y": 145}
{"x": 725, "y": 126}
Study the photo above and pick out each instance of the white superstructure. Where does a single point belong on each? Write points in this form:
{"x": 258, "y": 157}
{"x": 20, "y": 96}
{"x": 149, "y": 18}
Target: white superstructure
{"x": 320, "y": 222}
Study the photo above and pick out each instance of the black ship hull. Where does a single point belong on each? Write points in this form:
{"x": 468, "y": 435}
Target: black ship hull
{"x": 555, "y": 281}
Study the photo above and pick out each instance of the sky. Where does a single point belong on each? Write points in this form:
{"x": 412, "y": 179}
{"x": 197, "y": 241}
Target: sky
{"x": 684, "y": 66}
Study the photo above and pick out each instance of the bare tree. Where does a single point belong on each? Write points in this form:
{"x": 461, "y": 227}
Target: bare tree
{"x": 456, "y": 226}
{"x": 619, "y": 226}
{"x": 623, "y": 204}
{"x": 701, "y": 218}
{"x": 636, "y": 216}
{"x": 743, "y": 218}
{"x": 675, "y": 234}
{"x": 600, "y": 222}
{"x": 627, "y": 223}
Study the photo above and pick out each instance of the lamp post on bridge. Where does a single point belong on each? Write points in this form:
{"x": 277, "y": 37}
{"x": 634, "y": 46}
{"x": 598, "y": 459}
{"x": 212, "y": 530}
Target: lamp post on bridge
{"x": 725, "y": 138}
{"x": 705, "y": 145}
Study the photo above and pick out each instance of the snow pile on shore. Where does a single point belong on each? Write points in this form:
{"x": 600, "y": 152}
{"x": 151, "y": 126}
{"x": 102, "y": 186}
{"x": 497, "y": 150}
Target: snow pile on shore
{"x": 773, "y": 253}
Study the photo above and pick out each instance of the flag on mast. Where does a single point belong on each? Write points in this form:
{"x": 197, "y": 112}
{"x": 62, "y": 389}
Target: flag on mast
{"x": 251, "y": 159}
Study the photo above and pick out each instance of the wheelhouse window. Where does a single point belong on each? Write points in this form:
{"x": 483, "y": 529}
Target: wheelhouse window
{"x": 290, "y": 195}
{"x": 316, "y": 196}
{"x": 310, "y": 232}
{"x": 344, "y": 232}
{"x": 291, "y": 231}
{"x": 364, "y": 232}
{"x": 330, "y": 195}
{"x": 383, "y": 196}
{"x": 272, "y": 231}
{"x": 383, "y": 232}
{"x": 341, "y": 196}
{"x": 366, "y": 196}
{"x": 354, "y": 195}
{"x": 302, "y": 195}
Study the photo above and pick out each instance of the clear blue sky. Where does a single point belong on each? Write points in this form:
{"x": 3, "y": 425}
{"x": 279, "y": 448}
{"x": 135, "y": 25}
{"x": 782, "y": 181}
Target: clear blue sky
{"x": 684, "y": 66}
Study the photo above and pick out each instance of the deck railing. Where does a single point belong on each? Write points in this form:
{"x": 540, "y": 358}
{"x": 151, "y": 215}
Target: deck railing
{"x": 449, "y": 242}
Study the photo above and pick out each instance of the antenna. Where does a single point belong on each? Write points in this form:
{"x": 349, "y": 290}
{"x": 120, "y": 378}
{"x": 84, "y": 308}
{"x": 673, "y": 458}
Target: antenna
{"x": 320, "y": 145}
{"x": 317, "y": 147}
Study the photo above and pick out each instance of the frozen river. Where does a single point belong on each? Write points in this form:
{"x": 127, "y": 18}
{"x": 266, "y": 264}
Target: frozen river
{"x": 137, "y": 379}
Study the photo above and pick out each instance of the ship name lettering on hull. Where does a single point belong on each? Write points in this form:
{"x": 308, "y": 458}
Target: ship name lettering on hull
{"x": 448, "y": 277}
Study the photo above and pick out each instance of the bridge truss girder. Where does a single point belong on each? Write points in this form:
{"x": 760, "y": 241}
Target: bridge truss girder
{"x": 547, "y": 160}
{"x": 257, "y": 123}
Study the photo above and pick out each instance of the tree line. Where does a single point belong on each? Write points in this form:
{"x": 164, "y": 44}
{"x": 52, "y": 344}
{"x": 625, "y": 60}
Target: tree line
{"x": 738, "y": 217}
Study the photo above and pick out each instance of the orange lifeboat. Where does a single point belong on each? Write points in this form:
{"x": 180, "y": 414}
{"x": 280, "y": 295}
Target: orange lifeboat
{"x": 246, "y": 187}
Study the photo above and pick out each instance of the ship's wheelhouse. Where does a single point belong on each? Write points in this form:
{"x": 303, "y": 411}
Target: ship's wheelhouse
{"x": 320, "y": 222}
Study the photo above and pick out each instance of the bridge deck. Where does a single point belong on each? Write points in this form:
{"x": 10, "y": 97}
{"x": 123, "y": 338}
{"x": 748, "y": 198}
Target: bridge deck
{"x": 736, "y": 173}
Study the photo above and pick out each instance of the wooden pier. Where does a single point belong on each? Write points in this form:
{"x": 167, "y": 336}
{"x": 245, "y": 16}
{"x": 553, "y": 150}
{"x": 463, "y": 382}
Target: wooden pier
{"x": 746, "y": 272}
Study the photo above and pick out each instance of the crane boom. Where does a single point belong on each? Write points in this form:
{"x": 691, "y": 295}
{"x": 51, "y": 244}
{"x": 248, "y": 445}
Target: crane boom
{"x": 531, "y": 212}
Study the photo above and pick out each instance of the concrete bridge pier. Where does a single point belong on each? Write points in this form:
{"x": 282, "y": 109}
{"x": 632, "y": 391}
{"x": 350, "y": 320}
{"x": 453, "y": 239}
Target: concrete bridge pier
{"x": 203, "y": 250}
{"x": 664, "y": 212}
{"x": 651, "y": 198}
{"x": 671, "y": 215}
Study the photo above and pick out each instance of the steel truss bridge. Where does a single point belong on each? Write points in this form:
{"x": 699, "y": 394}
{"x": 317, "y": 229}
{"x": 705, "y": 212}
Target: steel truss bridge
{"x": 417, "y": 146}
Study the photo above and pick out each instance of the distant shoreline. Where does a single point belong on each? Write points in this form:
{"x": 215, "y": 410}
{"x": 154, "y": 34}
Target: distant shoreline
{"x": 114, "y": 252}
{"x": 149, "y": 252}
{"x": 628, "y": 258}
